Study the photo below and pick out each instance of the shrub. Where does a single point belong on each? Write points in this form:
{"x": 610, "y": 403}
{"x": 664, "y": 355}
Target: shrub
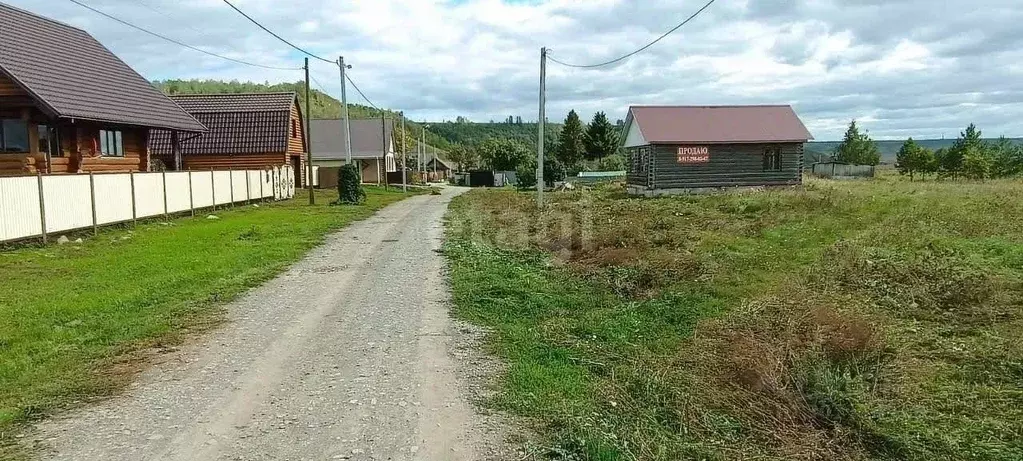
{"x": 349, "y": 186}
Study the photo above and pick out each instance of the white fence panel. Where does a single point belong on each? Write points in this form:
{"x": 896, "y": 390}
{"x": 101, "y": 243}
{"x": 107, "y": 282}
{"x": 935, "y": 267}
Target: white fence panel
{"x": 202, "y": 189}
{"x": 222, "y": 186}
{"x": 68, "y": 202}
{"x": 316, "y": 176}
{"x": 240, "y": 187}
{"x": 148, "y": 194}
{"x": 19, "y": 208}
{"x": 177, "y": 192}
{"x": 113, "y": 198}
{"x": 253, "y": 178}
{"x": 266, "y": 186}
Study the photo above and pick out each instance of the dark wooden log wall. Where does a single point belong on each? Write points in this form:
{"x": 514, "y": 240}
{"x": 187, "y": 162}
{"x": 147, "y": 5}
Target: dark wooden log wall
{"x": 730, "y": 165}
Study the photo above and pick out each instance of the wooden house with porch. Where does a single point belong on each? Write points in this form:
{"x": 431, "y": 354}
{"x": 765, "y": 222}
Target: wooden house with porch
{"x": 68, "y": 105}
{"x": 246, "y": 131}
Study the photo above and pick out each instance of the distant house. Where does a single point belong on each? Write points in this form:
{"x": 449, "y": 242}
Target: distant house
{"x": 68, "y": 105}
{"x": 372, "y": 148}
{"x": 675, "y": 149}
{"x": 246, "y": 131}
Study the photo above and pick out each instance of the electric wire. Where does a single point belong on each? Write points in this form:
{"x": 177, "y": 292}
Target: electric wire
{"x": 640, "y": 50}
{"x": 360, "y": 92}
{"x": 179, "y": 43}
{"x": 275, "y": 35}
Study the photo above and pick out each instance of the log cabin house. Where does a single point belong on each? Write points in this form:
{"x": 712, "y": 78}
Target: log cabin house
{"x": 246, "y": 131}
{"x": 680, "y": 149}
{"x": 68, "y": 105}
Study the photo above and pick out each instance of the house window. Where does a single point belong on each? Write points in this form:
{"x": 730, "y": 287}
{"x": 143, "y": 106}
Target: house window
{"x": 49, "y": 143}
{"x": 294, "y": 128}
{"x": 772, "y": 159}
{"x": 13, "y": 135}
{"x": 111, "y": 144}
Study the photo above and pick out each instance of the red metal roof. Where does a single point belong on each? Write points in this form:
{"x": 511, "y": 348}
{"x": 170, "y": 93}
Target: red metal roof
{"x": 718, "y": 124}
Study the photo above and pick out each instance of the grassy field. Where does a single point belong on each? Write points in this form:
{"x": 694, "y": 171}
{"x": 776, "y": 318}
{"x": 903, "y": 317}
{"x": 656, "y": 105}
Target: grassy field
{"x": 77, "y": 320}
{"x": 848, "y": 320}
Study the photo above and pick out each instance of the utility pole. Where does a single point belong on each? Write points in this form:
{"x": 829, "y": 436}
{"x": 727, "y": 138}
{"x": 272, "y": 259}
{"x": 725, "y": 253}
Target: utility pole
{"x": 383, "y": 141}
{"x": 543, "y": 118}
{"x": 404, "y": 155}
{"x": 422, "y": 148}
{"x": 308, "y": 144}
{"x": 344, "y": 110}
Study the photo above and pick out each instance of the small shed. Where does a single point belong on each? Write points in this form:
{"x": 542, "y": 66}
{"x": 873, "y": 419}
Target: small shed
{"x": 685, "y": 149}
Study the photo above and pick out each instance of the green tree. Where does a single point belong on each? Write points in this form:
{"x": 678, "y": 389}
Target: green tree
{"x": 976, "y": 164}
{"x": 571, "y": 147}
{"x": 913, "y": 158}
{"x": 601, "y": 137}
{"x": 969, "y": 140}
{"x": 465, "y": 157}
{"x": 502, "y": 154}
{"x": 1006, "y": 157}
{"x": 525, "y": 175}
{"x": 857, "y": 148}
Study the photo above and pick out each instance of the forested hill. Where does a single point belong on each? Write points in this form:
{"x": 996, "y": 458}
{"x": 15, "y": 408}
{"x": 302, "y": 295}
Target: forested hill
{"x": 323, "y": 106}
{"x": 469, "y": 133}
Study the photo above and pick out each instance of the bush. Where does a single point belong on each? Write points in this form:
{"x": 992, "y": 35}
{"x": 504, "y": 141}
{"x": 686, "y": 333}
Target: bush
{"x": 525, "y": 175}
{"x": 349, "y": 186}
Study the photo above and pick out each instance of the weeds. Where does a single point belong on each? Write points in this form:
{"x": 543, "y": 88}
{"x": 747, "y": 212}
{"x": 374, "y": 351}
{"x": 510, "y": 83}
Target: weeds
{"x": 866, "y": 320}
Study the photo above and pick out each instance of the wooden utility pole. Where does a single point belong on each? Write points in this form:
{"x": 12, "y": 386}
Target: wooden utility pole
{"x": 344, "y": 110}
{"x": 308, "y": 142}
{"x": 540, "y": 124}
{"x": 404, "y": 155}
{"x": 383, "y": 141}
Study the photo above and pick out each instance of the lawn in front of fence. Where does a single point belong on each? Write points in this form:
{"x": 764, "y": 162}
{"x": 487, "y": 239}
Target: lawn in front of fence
{"x": 76, "y": 319}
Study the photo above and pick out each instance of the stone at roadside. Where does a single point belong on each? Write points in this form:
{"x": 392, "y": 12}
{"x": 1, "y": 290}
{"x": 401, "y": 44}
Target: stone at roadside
{"x": 213, "y": 216}
{"x": 62, "y": 240}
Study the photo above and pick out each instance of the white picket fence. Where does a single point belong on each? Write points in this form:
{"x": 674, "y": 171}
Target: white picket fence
{"x": 32, "y": 206}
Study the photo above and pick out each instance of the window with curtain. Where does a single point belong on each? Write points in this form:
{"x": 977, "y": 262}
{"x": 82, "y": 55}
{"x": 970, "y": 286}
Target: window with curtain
{"x": 13, "y": 135}
{"x": 111, "y": 144}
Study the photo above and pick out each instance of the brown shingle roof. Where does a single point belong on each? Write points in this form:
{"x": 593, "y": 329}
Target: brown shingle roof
{"x": 245, "y": 123}
{"x": 73, "y": 76}
{"x": 718, "y": 124}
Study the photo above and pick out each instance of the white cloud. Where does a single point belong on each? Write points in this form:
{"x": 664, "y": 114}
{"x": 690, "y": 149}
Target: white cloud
{"x": 903, "y": 67}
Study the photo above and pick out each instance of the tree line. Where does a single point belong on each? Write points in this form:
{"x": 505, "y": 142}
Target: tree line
{"x": 969, "y": 157}
{"x": 573, "y": 148}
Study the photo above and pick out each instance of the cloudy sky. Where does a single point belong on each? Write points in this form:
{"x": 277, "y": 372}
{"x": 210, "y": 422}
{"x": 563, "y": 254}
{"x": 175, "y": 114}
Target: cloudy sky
{"x": 919, "y": 68}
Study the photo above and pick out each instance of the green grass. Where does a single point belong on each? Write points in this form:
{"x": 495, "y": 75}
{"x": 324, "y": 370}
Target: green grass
{"x": 848, "y": 320}
{"x": 75, "y": 320}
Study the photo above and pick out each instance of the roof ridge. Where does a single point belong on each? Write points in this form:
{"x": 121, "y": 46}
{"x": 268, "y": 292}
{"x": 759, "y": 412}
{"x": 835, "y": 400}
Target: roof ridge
{"x": 39, "y": 16}
{"x": 684, "y": 106}
{"x": 251, "y": 93}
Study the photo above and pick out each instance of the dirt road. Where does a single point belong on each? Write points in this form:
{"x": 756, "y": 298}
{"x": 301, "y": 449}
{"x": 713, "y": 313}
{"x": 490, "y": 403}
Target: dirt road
{"x": 347, "y": 355}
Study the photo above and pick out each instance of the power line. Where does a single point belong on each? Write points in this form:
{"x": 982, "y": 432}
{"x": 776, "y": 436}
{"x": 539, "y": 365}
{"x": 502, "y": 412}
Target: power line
{"x": 275, "y": 35}
{"x": 648, "y": 45}
{"x": 361, "y": 93}
{"x": 176, "y": 42}
{"x": 319, "y": 85}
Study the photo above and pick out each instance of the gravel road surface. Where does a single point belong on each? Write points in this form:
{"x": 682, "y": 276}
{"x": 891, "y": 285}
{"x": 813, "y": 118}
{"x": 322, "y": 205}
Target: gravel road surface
{"x": 347, "y": 355}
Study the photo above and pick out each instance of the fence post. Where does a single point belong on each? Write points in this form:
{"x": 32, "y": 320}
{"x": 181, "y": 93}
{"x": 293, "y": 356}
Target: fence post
{"x": 248, "y": 187}
{"x": 213, "y": 188}
{"x": 92, "y": 193}
{"x": 163, "y": 179}
{"x": 261, "y": 181}
{"x": 230, "y": 182}
{"x": 42, "y": 206}
{"x": 134, "y": 212}
{"x": 191, "y": 199}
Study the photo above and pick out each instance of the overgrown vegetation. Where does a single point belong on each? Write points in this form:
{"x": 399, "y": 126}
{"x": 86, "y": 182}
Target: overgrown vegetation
{"x": 76, "y": 320}
{"x": 848, "y": 321}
